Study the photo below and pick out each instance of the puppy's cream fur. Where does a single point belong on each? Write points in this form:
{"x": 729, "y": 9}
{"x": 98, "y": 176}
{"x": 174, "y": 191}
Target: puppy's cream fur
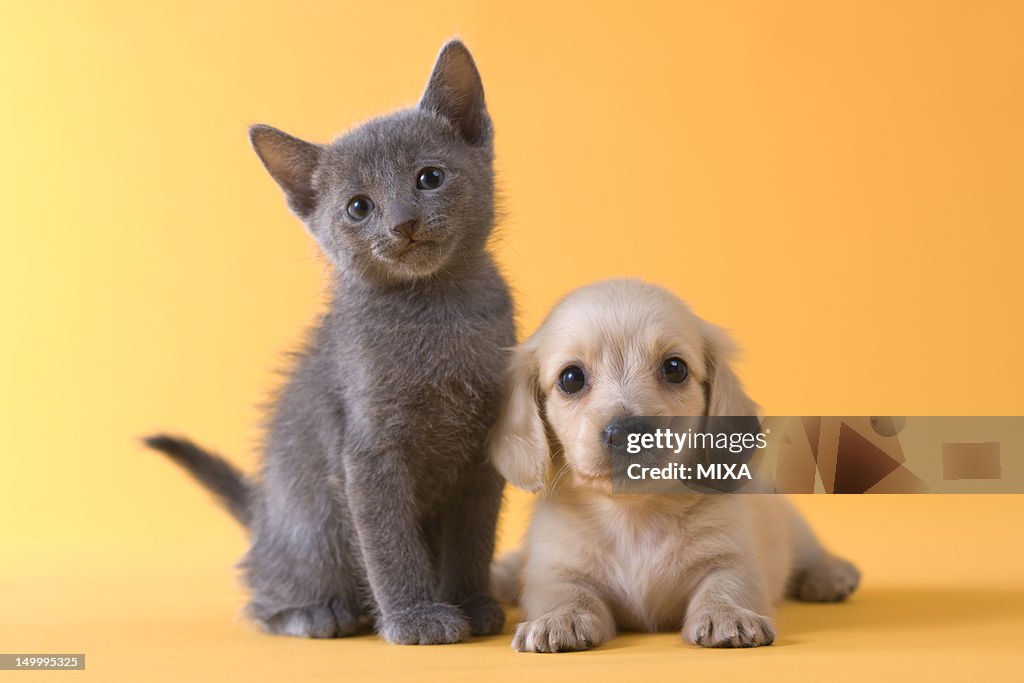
{"x": 710, "y": 565}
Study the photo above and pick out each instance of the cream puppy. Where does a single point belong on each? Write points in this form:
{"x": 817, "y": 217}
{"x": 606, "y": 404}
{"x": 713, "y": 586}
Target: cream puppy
{"x": 710, "y": 565}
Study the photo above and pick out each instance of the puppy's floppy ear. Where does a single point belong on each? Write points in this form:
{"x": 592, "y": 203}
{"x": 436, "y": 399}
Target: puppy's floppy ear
{"x": 725, "y": 393}
{"x": 518, "y": 443}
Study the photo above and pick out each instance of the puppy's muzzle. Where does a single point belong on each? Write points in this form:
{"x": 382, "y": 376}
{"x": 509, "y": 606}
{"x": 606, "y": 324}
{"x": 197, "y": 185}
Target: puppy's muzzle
{"x": 616, "y": 435}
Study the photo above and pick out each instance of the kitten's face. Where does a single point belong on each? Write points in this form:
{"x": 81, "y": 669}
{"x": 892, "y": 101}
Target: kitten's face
{"x": 404, "y": 196}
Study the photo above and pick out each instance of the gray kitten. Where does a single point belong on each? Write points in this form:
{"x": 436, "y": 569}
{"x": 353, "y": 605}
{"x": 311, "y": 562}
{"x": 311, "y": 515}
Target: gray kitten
{"x": 376, "y": 497}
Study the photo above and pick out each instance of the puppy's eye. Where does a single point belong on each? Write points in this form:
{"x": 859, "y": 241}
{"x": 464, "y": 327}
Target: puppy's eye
{"x": 359, "y": 208}
{"x": 572, "y": 379}
{"x": 675, "y": 370}
{"x": 429, "y": 178}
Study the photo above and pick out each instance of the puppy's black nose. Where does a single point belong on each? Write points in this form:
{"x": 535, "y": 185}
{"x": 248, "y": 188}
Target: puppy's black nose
{"x": 616, "y": 435}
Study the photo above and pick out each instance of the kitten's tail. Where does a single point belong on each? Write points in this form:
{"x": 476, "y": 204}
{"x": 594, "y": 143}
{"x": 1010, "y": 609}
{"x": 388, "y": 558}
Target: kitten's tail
{"x": 222, "y": 478}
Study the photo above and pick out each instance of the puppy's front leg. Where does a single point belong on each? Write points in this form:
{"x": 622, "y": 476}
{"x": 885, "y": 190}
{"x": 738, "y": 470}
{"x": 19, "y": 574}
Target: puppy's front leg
{"x": 468, "y": 546}
{"x": 726, "y": 610}
{"x": 572, "y": 616}
{"x": 383, "y": 506}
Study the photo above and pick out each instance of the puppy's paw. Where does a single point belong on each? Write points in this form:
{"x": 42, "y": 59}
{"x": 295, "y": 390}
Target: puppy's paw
{"x": 564, "y": 631}
{"x": 728, "y": 626}
{"x": 427, "y": 624}
{"x": 333, "y": 620}
{"x": 831, "y": 580}
{"x": 486, "y": 617}
{"x": 506, "y": 576}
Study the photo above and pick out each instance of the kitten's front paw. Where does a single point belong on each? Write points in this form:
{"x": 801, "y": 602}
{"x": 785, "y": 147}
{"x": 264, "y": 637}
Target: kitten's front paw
{"x": 426, "y": 624}
{"x": 728, "y": 626}
{"x": 564, "y": 631}
{"x": 333, "y": 620}
{"x": 486, "y": 617}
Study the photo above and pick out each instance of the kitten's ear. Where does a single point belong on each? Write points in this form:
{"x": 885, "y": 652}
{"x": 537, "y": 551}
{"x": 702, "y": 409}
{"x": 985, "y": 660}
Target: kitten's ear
{"x": 455, "y": 92}
{"x": 291, "y": 163}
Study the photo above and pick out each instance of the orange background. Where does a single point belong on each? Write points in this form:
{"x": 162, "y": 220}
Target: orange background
{"x": 838, "y": 183}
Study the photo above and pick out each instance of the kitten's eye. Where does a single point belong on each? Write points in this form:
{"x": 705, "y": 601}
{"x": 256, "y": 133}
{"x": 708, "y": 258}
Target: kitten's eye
{"x": 359, "y": 208}
{"x": 675, "y": 370}
{"x": 572, "y": 380}
{"x": 429, "y": 178}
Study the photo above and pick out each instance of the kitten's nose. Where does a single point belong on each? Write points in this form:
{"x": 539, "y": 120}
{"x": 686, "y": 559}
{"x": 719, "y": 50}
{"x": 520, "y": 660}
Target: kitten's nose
{"x": 406, "y": 229}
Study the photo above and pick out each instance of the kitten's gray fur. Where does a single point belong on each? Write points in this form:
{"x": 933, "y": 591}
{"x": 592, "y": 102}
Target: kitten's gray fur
{"x": 376, "y": 497}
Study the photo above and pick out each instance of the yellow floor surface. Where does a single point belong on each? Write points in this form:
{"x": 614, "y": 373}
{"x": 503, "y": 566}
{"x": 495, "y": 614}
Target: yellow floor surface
{"x": 943, "y": 599}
